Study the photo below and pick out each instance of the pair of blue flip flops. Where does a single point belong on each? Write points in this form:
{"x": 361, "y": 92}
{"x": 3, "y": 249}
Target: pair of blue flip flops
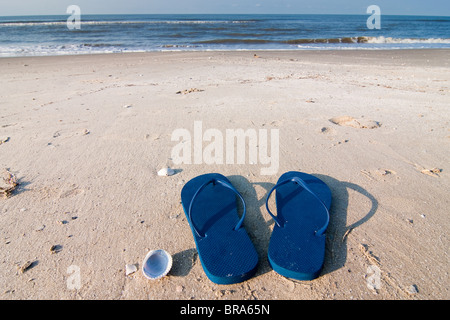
{"x": 297, "y": 244}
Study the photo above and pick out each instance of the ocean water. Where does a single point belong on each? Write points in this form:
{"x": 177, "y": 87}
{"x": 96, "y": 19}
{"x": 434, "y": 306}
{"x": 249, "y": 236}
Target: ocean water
{"x": 50, "y": 35}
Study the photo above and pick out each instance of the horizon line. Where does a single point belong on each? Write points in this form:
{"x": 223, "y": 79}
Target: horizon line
{"x": 260, "y": 14}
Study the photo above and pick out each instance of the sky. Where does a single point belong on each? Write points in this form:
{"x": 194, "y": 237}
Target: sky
{"x": 394, "y": 7}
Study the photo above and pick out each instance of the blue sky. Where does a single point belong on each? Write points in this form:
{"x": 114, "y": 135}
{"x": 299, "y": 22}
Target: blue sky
{"x": 400, "y": 7}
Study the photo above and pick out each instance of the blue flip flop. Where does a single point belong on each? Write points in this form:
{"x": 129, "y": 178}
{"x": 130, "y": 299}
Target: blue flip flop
{"x": 297, "y": 244}
{"x": 224, "y": 248}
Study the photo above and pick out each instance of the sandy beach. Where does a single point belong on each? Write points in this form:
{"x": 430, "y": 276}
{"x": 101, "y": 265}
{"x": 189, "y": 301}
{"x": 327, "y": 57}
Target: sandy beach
{"x": 86, "y": 135}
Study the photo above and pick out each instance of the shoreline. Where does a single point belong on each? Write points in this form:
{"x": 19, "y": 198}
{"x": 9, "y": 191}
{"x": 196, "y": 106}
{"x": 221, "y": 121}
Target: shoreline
{"x": 419, "y": 55}
{"x": 85, "y": 135}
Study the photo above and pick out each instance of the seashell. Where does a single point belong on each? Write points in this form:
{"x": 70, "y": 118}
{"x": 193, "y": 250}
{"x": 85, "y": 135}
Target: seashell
{"x": 166, "y": 172}
{"x": 4, "y": 139}
{"x": 130, "y": 268}
{"x": 157, "y": 264}
{"x": 26, "y": 266}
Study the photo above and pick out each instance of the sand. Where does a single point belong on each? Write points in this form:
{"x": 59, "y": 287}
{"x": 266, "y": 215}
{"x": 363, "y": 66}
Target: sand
{"x": 85, "y": 137}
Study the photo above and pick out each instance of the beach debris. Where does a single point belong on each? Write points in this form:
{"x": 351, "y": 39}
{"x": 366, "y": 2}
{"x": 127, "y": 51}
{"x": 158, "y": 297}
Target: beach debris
{"x": 157, "y": 264}
{"x": 55, "y": 248}
{"x": 174, "y": 215}
{"x": 165, "y": 172}
{"x": 39, "y": 228}
{"x": 127, "y": 106}
{"x": 341, "y": 142}
{"x": 412, "y": 289}
{"x": 26, "y": 266}
{"x": 179, "y": 289}
{"x": 3, "y": 140}
{"x": 364, "y": 248}
{"x": 384, "y": 172}
{"x": 130, "y": 268}
{"x": 8, "y": 185}
{"x": 348, "y": 121}
{"x": 432, "y": 172}
{"x": 86, "y": 132}
{"x": 189, "y": 91}
{"x": 346, "y": 234}
{"x": 325, "y": 130}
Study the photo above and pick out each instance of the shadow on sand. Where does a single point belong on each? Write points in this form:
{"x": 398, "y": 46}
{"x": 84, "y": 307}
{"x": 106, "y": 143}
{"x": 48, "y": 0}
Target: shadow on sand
{"x": 260, "y": 230}
{"x": 336, "y": 247}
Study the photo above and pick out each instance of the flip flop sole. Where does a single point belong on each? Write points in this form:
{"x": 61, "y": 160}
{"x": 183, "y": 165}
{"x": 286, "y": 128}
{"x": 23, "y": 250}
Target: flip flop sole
{"x": 295, "y": 249}
{"x": 227, "y": 255}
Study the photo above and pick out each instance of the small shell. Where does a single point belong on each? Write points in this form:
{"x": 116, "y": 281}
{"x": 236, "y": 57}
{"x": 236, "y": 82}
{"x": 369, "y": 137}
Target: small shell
{"x": 4, "y": 139}
{"x": 157, "y": 264}
{"x": 166, "y": 172}
{"x": 26, "y": 266}
{"x": 130, "y": 268}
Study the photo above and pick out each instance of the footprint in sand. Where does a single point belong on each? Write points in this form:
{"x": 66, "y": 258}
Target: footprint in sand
{"x": 380, "y": 174}
{"x": 348, "y": 121}
{"x": 72, "y": 192}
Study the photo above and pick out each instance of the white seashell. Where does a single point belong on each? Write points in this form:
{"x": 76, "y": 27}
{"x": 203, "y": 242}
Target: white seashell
{"x": 130, "y": 268}
{"x": 157, "y": 264}
{"x": 166, "y": 172}
{"x": 39, "y": 228}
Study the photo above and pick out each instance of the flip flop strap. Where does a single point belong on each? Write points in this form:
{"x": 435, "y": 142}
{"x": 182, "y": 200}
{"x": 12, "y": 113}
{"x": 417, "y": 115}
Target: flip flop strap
{"x": 225, "y": 184}
{"x": 303, "y": 184}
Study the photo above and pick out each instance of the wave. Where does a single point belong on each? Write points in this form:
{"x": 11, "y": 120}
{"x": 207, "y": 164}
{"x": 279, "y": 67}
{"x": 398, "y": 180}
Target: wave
{"x": 97, "y": 45}
{"x": 235, "y": 41}
{"x": 328, "y": 40}
{"x": 343, "y": 40}
{"x": 380, "y": 40}
{"x": 11, "y": 49}
{"x": 434, "y": 20}
{"x": 91, "y": 22}
{"x": 374, "y": 40}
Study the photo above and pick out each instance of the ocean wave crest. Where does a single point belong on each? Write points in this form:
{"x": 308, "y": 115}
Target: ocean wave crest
{"x": 90, "y": 22}
{"x": 380, "y": 40}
